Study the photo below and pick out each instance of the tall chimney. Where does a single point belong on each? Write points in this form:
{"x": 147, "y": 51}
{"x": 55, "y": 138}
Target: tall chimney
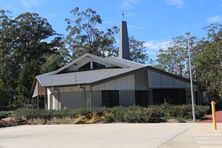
{"x": 124, "y": 52}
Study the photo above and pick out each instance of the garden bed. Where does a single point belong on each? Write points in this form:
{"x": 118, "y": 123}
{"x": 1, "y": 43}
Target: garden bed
{"x": 133, "y": 114}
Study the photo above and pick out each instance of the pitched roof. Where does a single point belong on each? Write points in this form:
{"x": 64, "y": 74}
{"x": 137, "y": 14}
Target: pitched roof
{"x": 56, "y": 78}
{"x": 87, "y": 77}
{"x": 84, "y": 77}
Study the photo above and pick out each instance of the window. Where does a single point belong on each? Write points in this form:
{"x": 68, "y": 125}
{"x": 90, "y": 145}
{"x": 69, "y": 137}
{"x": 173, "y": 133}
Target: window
{"x": 171, "y": 96}
{"x": 98, "y": 65}
{"x": 85, "y": 67}
{"x": 141, "y": 98}
{"x": 110, "y": 98}
{"x": 95, "y": 66}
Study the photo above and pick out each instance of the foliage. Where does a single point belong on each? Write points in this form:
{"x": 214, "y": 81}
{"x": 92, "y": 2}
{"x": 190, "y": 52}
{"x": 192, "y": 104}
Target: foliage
{"x": 5, "y": 114}
{"x": 26, "y": 42}
{"x": 175, "y": 58}
{"x": 132, "y": 114}
{"x": 7, "y": 69}
{"x": 118, "y": 113}
{"x": 141, "y": 115}
{"x": 55, "y": 61}
{"x": 85, "y": 36}
{"x": 138, "y": 50}
{"x": 206, "y": 59}
{"x": 108, "y": 118}
{"x": 181, "y": 111}
{"x": 209, "y": 61}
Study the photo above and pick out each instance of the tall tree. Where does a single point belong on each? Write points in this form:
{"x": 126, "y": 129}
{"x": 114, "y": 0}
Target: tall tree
{"x": 8, "y": 67}
{"x": 32, "y": 46}
{"x": 31, "y": 33}
{"x": 175, "y": 58}
{"x": 209, "y": 61}
{"x": 25, "y": 48}
{"x": 138, "y": 50}
{"x": 55, "y": 61}
{"x": 85, "y": 36}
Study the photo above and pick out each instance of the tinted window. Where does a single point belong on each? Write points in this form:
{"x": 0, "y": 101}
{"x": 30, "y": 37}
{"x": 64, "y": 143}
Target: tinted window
{"x": 141, "y": 98}
{"x": 85, "y": 67}
{"x": 110, "y": 98}
{"x": 98, "y": 65}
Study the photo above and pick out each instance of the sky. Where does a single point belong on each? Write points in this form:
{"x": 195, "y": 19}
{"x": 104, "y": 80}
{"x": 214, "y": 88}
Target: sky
{"x": 154, "y": 21}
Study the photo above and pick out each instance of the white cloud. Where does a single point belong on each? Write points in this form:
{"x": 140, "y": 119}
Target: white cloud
{"x": 154, "y": 46}
{"x": 128, "y": 4}
{"x": 29, "y": 3}
{"x": 175, "y": 2}
{"x": 214, "y": 19}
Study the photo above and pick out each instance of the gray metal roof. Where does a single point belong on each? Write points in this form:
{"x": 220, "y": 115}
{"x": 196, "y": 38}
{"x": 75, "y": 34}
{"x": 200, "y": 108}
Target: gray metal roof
{"x": 127, "y": 63}
{"x": 55, "y": 78}
{"x": 84, "y": 77}
{"x": 90, "y": 76}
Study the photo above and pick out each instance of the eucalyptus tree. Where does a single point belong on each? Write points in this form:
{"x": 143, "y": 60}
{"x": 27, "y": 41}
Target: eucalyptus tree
{"x": 209, "y": 61}
{"x": 26, "y": 42}
{"x": 32, "y": 48}
{"x": 86, "y": 36}
{"x": 138, "y": 50}
{"x": 8, "y": 69}
{"x": 174, "y": 59}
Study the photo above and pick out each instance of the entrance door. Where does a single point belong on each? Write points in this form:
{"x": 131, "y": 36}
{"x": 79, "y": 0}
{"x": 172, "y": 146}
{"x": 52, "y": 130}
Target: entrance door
{"x": 110, "y": 98}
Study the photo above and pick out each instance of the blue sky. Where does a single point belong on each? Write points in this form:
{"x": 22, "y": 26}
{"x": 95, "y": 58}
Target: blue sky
{"x": 154, "y": 21}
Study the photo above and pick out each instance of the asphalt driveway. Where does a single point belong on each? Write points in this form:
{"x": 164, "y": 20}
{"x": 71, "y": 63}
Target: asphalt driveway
{"x": 112, "y": 136}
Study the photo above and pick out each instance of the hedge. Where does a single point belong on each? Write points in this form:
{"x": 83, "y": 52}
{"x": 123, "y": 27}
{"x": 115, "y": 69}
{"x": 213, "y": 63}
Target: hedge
{"x": 133, "y": 114}
{"x": 5, "y": 114}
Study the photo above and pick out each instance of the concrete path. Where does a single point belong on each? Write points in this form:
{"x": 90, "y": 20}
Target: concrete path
{"x": 199, "y": 136}
{"x": 166, "y": 135}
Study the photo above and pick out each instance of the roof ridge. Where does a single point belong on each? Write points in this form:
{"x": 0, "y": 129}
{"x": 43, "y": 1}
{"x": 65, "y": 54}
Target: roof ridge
{"x": 127, "y": 61}
{"x": 76, "y": 60}
{"x": 103, "y": 59}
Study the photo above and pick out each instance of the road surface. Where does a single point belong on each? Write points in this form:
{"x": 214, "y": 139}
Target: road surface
{"x": 118, "y": 135}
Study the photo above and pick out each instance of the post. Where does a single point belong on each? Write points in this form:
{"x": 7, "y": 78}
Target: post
{"x": 191, "y": 77}
{"x": 90, "y": 96}
{"x": 32, "y": 103}
{"x": 37, "y": 102}
{"x": 213, "y": 114}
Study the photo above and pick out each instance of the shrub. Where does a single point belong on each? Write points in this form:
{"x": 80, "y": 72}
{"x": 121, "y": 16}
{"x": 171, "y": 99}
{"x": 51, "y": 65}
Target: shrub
{"x": 200, "y": 111}
{"x": 118, "y": 113}
{"x": 108, "y": 118}
{"x": 5, "y": 114}
{"x": 2, "y": 124}
{"x": 180, "y": 111}
{"x": 141, "y": 115}
{"x": 180, "y": 120}
{"x": 133, "y": 114}
{"x": 9, "y": 108}
{"x": 184, "y": 111}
